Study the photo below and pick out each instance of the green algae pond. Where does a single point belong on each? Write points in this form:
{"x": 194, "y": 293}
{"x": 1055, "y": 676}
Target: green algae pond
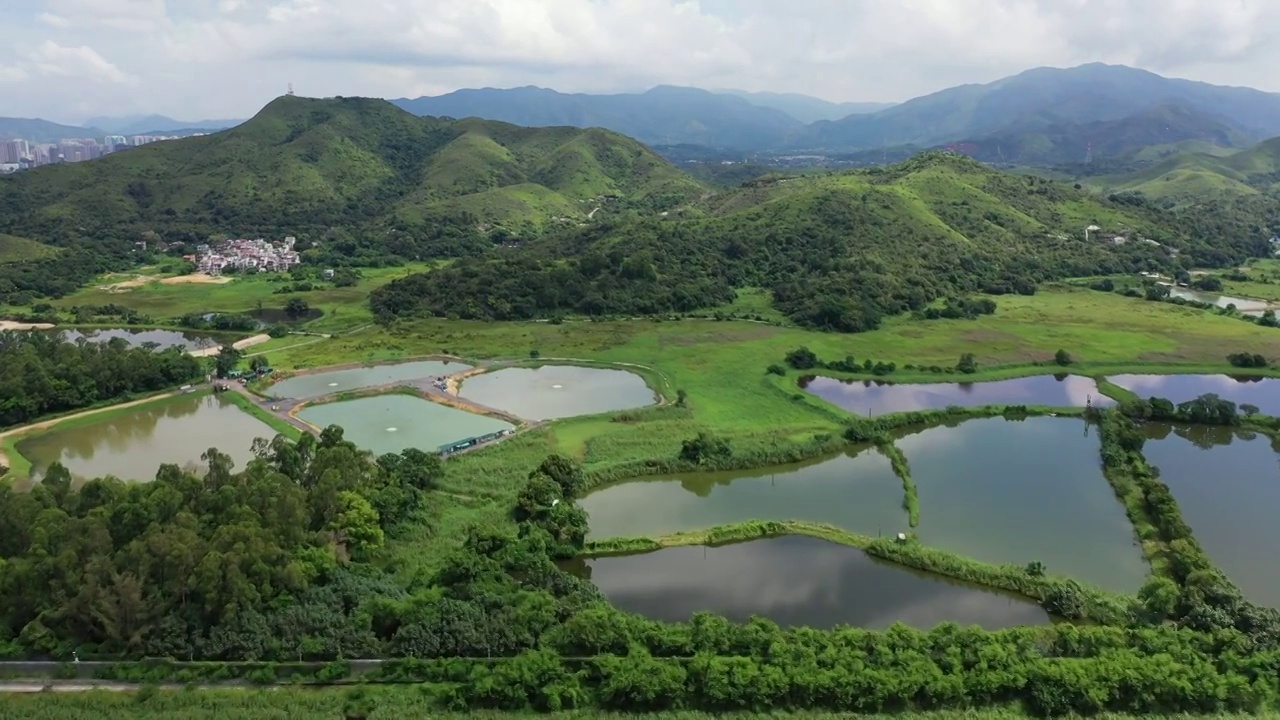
{"x": 551, "y": 392}
{"x": 393, "y": 422}
{"x": 318, "y": 384}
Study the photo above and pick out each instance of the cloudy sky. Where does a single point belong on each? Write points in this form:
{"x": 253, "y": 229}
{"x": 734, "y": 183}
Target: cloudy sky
{"x": 67, "y": 60}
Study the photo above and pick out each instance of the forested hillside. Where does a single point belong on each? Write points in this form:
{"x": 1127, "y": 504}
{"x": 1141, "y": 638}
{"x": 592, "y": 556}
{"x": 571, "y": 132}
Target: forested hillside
{"x": 357, "y": 179}
{"x": 839, "y": 251}
{"x": 344, "y": 169}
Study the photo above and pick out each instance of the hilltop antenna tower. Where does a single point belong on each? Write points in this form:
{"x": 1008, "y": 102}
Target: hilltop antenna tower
{"x": 290, "y": 89}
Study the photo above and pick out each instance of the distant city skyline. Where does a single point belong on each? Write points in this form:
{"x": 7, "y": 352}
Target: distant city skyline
{"x": 18, "y": 154}
{"x": 70, "y": 60}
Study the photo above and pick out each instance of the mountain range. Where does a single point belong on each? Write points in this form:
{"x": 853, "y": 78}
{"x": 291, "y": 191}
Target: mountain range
{"x": 1048, "y": 114}
{"x": 552, "y": 220}
{"x": 1044, "y": 116}
{"x": 354, "y": 163}
{"x": 156, "y": 125}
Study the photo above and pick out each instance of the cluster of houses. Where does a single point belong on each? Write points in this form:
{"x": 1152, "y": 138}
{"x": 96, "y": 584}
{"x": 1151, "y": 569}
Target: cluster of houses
{"x": 244, "y": 255}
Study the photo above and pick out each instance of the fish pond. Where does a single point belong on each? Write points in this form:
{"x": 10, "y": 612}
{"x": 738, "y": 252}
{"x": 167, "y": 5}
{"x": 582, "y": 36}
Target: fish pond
{"x": 1227, "y": 484}
{"x": 1006, "y": 491}
{"x": 1259, "y": 391}
{"x": 856, "y": 491}
{"x": 1244, "y": 305}
{"x": 557, "y": 391}
{"x": 393, "y": 422}
{"x": 873, "y": 397}
{"x": 131, "y": 444}
{"x": 310, "y": 385}
{"x": 163, "y": 338}
{"x": 796, "y": 581}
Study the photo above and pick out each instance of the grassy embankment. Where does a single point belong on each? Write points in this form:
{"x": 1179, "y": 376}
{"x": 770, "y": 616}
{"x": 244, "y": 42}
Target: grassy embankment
{"x": 272, "y": 421}
{"x": 385, "y": 703}
{"x": 721, "y": 366}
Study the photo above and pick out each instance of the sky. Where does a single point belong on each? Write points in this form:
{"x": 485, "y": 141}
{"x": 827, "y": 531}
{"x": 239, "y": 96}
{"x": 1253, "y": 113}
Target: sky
{"x": 68, "y": 60}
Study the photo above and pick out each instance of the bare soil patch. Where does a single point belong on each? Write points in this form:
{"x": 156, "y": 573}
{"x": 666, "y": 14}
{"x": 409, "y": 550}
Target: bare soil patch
{"x": 199, "y": 278}
{"x": 14, "y": 325}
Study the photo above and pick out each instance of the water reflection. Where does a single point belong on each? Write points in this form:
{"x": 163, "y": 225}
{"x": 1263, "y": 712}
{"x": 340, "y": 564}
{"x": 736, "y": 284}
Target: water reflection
{"x": 1020, "y": 491}
{"x": 873, "y": 397}
{"x": 133, "y": 444}
{"x": 1245, "y": 306}
{"x": 163, "y": 339}
{"x": 1227, "y": 484}
{"x": 1259, "y": 391}
{"x": 856, "y": 490}
{"x": 797, "y": 581}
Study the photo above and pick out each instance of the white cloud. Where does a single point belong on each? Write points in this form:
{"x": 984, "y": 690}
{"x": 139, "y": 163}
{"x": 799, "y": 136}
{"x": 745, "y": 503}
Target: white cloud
{"x": 52, "y": 20}
{"x": 228, "y": 57}
{"x": 52, "y": 59}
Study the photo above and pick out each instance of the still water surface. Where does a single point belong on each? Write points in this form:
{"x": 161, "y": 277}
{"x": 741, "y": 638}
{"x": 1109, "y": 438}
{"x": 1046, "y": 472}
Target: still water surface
{"x": 391, "y": 423}
{"x": 872, "y": 397}
{"x": 1245, "y": 306}
{"x": 1006, "y": 491}
{"x": 856, "y": 491}
{"x": 1263, "y": 392}
{"x": 164, "y": 338}
{"x": 134, "y": 443}
{"x": 796, "y": 581}
{"x": 557, "y": 391}
{"x": 335, "y": 381}
{"x": 1227, "y": 484}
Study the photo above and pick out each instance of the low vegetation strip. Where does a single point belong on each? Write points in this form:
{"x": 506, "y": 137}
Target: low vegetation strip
{"x": 910, "y": 501}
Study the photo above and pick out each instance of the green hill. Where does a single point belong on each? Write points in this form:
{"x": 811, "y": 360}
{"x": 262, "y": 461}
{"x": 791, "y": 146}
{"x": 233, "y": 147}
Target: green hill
{"x": 1188, "y": 176}
{"x": 361, "y": 166}
{"x": 838, "y": 251}
{"x": 19, "y": 249}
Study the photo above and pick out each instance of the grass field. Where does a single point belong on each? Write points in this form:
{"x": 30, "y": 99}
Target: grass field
{"x": 344, "y": 308}
{"x": 721, "y": 366}
{"x": 18, "y": 249}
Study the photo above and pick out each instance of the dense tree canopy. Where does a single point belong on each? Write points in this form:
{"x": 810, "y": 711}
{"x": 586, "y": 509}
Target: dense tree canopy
{"x": 267, "y": 562}
{"x": 43, "y": 373}
{"x": 839, "y": 252}
{"x": 280, "y": 561}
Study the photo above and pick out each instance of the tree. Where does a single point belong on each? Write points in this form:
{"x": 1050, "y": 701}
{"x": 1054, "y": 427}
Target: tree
{"x": 802, "y": 359}
{"x": 296, "y": 307}
{"x": 1063, "y": 358}
{"x": 357, "y": 523}
{"x": 1249, "y": 410}
{"x": 705, "y": 448}
{"x": 258, "y": 363}
{"x": 227, "y": 359}
{"x": 967, "y": 364}
{"x": 682, "y": 397}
